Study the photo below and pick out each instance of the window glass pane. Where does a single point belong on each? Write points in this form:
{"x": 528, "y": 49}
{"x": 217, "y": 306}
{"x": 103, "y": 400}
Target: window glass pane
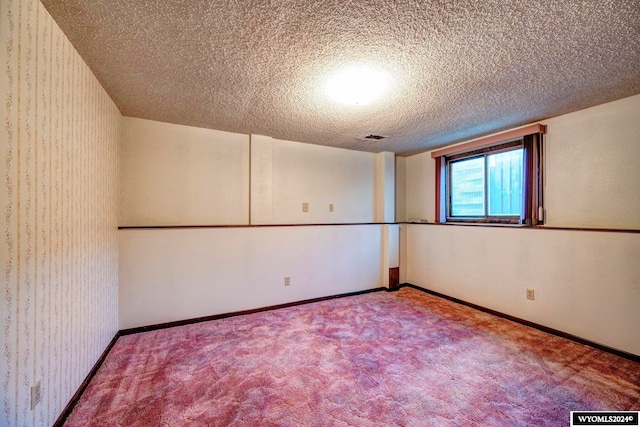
{"x": 467, "y": 187}
{"x": 504, "y": 173}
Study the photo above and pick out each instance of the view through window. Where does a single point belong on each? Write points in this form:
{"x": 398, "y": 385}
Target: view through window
{"x": 487, "y": 185}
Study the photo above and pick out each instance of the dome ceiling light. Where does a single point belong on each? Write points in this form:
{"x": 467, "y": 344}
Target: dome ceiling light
{"x": 357, "y": 85}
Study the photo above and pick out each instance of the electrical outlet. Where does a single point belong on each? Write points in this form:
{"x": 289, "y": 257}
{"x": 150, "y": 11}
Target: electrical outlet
{"x": 330, "y": 207}
{"x": 36, "y": 393}
{"x": 305, "y": 207}
{"x": 287, "y": 281}
{"x": 531, "y": 294}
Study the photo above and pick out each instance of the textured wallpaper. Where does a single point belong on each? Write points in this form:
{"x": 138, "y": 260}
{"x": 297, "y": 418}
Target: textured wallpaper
{"x": 59, "y": 151}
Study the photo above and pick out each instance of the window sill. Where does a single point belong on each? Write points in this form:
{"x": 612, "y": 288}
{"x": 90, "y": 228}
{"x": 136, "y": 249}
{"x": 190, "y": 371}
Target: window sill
{"x": 526, "y": 227}
{"x": 485, "y": 224}
{"x": 471, "y": 224}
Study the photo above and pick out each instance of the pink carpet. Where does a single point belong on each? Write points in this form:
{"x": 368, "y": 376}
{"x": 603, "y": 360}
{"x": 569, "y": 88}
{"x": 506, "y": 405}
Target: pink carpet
{"x": 388, "y": 359}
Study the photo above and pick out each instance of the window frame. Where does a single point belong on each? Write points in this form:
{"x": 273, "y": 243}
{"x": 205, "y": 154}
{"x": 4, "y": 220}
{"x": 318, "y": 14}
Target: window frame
{"x": 532, "y": 212}
{"x": 484, "y": 152}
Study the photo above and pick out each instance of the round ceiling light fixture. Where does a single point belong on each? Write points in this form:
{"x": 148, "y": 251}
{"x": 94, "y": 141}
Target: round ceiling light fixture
{"x": 357, "y": 85}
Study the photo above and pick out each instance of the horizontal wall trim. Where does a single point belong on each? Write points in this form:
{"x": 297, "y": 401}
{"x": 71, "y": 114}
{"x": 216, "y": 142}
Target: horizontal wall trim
{"x": 556, "y": 332}
{"x": 490, "y": 140}
{"x": 528, "y": 227}
{"x": 163, "y": 227}
{"x": 78, "y": 394}
{"x": 148, "y": 328}
{"x": 602, "y": 230}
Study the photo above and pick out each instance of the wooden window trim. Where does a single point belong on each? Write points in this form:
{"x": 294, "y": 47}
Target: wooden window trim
{"x": 530, "y": 138}
{"x": 484, "y": 150}
{"x": 490, "y": 140}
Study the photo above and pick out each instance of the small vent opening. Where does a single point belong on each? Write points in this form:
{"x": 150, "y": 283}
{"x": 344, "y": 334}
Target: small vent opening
{"x": 372, "y": 137}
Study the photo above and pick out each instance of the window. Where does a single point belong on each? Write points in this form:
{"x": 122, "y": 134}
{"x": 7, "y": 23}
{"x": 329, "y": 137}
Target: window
{"x": 486, "y": 185}
{"x": 492, "y": 180}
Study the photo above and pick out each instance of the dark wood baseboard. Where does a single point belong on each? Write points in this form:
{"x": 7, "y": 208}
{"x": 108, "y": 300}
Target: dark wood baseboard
{"x": 76, "y": 397}
{"x": 624, "y": 354}
{"x": 394, "y": 278}
{"x": 240, "y": 313}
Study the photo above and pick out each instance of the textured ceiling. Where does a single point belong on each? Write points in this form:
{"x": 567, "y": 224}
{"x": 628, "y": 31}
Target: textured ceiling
{"x": 460, "y": 69}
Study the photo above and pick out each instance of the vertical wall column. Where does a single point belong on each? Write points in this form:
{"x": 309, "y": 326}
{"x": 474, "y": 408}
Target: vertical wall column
{"x": 385, "y": 188}
{"x": 403, "y": 236}
{"x": 390, "y": 262}
{"x": 385, "y": 211}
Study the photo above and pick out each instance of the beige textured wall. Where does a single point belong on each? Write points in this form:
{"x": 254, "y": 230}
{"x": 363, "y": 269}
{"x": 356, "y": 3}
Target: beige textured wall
{"x": 59, "y": 142}
{"x": 176, "y": 274}
{"x": 592, "y": 167}
{"x": 284, "y": 174}
{"x": 229, "y": 269}
{"x": 420, "y": 187}
{"x": 586, "y": 283}
{"x": 183, "y": 175}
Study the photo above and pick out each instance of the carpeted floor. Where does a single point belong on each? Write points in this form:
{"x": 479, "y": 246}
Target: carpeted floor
{"x": 394, "y": 359}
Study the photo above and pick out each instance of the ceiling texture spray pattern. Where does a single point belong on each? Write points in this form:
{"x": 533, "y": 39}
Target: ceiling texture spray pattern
{"x": 458, "y": 69}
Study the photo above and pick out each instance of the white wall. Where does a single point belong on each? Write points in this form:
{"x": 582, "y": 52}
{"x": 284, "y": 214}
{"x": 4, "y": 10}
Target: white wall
{"x": 592, "y": 167}
{"x": 59, "y": 143}
{"x": 285, "y": 174}
{"x": 420, "y": 185}
{"x": 182, "y": 175}
{"x": 175, "y": 274}
{"x": 586, "y": 282}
